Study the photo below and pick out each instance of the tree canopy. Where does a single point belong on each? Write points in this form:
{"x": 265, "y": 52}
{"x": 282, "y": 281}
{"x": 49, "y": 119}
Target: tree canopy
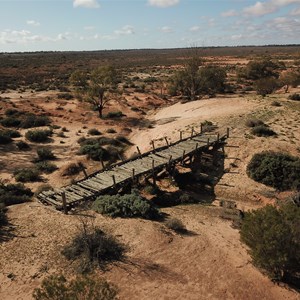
{"x": 93, "y": 87}
{"x": 197, "y": 79}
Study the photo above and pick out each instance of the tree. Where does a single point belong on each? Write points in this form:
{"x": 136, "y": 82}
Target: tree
{"x": 196, "y": 79}
{"x": 101, "y": 81}
{"x": 266, "y": 85}
{"x": 289, "y": 78}
{"x": 273, "y": 236}
{"x": 262, "y": 68}
{"x": 212, "y": 79}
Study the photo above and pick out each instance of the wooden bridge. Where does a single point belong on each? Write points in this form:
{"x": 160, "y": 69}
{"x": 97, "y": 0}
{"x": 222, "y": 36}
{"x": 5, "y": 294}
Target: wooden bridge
{"x": 116, "y": 176}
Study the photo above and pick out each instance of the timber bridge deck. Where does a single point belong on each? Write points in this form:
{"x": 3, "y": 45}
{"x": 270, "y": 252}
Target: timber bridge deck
{"x": 115, "y": 176}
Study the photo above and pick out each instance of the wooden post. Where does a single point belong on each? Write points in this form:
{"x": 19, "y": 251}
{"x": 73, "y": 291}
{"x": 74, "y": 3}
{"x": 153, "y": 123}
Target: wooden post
{"x": 120, "y": 157}
{"x": 139, "y": 151}
{"x": 153, "y": 146}
{"x": 133, "y": 174}
{"x": 166, "y": 139}
{"x": 196, "y": 146}
{"x": 180, "y": 135}
{"x": 102, "y": 163}
{"x": 227, "y": 132}
{"x": 153, "y": 173}
{"x": 218, "y": 137}
{"x": 201, "y": 128}
{"x": 83, "y": 169}
{"x": 208, "y": 142}
{"x": 183, "y": 154}
{"x": 64, "y": 201}
{"x": 170, "y": 159}
{"x": 114, "y": 179}
{"x": 192, "y": 134}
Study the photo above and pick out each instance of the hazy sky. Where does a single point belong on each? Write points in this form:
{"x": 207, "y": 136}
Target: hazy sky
{"x": 34, "y": 25}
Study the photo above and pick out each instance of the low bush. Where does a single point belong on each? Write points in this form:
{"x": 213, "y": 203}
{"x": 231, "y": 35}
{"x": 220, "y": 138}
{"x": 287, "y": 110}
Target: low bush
{"x": 4, "y": 138}
{"x": 277, "y": 170}
{"x": 11, "y": 112}
{"x": 94, "y": 151}
{"x": 10, "y": 122}
{"x": 93, "y": 247}
{"x": 45, "y": 154}
{"x": 263, "y": 131}
{"x": 31, "y": 120}
{"x": 27, "y": 175}
{"x": 46, "y": 167}
{"x": 254, "y": 123}
{"x": 114, "y": 115}
{"x": 56, "y": 287}
{"x": 66, "y": 96}
{"x": 38, "y": 136}
{"x": 125, "y": 206}
{"x": 295, "y": 97}
{"x": 94, "y": 131}
{"x": 21, "y": 145}
{"x": 71, "y": 169}
{"x": 12, "y": 133}
{"x": 111, "y": 130}
{"x": 14, "y": 193}
{"x": 272, "y": 234}
{"x": 175, "y": 225}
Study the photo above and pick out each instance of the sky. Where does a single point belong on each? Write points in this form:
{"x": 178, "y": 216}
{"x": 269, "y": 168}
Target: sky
{"x": 76, "y": 25}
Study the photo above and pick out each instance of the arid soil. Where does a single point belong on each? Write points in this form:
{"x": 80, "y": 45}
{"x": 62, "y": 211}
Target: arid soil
{"x": 209, "y": 262}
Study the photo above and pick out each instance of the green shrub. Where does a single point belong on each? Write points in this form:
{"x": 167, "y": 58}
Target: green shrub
{"x": 94, "y": 131}
{"x": 175, "y": 225}
{"x": 277, "y": 170}
{"x": 27, "y": 175}
{"x": 56, "y": 287}
{"x": 123, "y": 140}
{"x": 262, "y": 130}
{"x": 93, "y": 247}
{"x": 45, "y": 154}
{"x": 46, "y": 167}
{"x": 21, "y": 145}
{"x": 125, "y": 206}
{"x": 273, "y": 238}
{"x": 14, "y": 193}
{"x": 3, "y": 217}
{"x": 38, "y": 136}
{"x": 295, "y": 97}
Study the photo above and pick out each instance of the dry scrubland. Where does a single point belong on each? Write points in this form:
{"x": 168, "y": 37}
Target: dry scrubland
{"x": 207, "y": 262}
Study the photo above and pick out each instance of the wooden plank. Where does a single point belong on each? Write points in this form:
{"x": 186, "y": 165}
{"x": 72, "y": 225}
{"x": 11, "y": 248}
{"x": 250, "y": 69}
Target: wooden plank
{"x": 87, "y": 186}
{"x": 81, "y": 190}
